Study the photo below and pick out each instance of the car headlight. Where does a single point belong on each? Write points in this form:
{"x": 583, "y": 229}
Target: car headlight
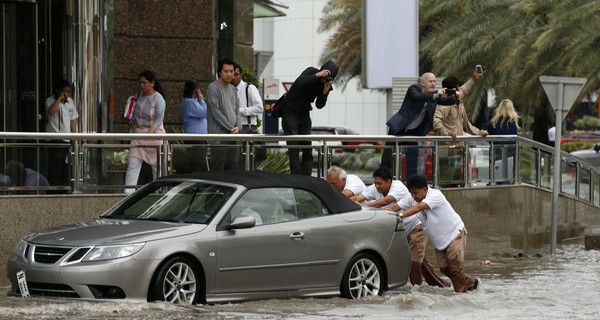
{"x": 113, "y": 252}
{"x": 20, "y": 250}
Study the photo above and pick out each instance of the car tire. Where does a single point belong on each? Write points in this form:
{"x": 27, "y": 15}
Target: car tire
{"x": 178, "y": 281}
{"x": 363, "y": 277}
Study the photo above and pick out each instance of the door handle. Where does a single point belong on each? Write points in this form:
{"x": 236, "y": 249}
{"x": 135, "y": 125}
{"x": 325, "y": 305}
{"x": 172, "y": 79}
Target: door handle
{"x": 297, "y": 236}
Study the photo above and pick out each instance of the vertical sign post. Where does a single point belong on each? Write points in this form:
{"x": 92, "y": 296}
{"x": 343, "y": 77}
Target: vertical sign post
{"x": 562, "y": 92}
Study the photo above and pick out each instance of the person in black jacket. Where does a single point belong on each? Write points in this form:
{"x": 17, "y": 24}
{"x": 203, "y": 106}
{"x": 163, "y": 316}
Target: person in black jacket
{"x": 312, "y": 84}
{"x": 415, "y": 117}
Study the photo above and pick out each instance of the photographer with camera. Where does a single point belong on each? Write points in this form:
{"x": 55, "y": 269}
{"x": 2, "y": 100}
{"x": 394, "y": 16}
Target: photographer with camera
{"x": 312, "y": 84}
{"x": 451, "y": 119}
{"x": 415, "y": 118}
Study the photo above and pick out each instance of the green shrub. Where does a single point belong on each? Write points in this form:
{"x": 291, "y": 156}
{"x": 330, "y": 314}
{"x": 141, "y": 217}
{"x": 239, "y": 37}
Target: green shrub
{"x": 275, "y": 162}
{"x": 570, "y": 146}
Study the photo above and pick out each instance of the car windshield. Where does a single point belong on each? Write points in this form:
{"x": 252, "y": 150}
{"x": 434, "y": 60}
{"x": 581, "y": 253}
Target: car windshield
{"x": 188, "y": 202}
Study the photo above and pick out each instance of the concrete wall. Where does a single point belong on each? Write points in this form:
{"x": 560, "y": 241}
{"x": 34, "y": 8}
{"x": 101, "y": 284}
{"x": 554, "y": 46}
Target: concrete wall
{"x": 500, "y": 220}
{"x": 506, "y": 220}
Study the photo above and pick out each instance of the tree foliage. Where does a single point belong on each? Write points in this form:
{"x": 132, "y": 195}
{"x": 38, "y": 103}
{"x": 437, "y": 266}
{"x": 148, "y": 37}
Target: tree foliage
{"x": 516, "y": 41}
{"x": 344, "y": 46}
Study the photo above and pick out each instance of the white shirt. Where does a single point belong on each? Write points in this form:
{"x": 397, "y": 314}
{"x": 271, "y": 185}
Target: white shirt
{"x": 397, "y": 190}
{"x": 251, "y": 108}
{"x": 552, "y": 134}
{"x": 441, "y": 223}
{"x": 61, "y": 120}
{"x": 354, "y": 184}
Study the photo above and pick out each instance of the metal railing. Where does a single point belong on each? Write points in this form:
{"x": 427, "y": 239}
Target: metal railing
{"x": 97, "y": 161}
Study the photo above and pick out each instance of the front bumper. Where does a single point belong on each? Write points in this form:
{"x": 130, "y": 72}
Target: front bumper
{"x": 86, "y": 280}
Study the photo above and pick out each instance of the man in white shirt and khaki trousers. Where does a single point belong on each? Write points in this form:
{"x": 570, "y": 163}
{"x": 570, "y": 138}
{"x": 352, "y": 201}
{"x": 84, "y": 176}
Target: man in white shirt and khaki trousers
{"x": 444, "y": 227}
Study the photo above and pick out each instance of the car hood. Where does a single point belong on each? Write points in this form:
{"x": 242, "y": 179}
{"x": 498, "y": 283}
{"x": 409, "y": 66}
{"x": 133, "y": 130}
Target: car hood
{"x": 111, "y": 232}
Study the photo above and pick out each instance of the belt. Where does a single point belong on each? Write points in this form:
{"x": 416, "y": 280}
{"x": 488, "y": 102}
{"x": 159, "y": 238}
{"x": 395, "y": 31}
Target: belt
{"x": 249, "y": 125}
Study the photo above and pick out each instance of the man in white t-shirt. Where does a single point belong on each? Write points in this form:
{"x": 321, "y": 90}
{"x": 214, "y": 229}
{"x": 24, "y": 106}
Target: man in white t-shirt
{"x": 349, "y": 184}
{"x": 62, "y": 117}
{"x": 385, "y": 191}
{"x": 60, "y": 108}
{"x": 444, "y": 227}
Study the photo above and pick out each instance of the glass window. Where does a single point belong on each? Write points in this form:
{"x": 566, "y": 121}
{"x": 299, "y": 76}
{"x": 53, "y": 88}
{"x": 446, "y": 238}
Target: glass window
{"x": 309, "y": 205}
{"x": 187, "y": 202}
{"x": 274, "y": 205}
{"x": 266, "y": 205}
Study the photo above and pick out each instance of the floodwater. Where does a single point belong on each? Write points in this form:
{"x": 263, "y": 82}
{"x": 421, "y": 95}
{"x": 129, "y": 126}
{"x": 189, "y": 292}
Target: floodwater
{"x": 560, "y": 286}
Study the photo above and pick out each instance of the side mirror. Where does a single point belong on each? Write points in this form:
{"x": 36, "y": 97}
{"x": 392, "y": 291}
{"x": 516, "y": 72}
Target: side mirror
{"x": 242, "y": 222}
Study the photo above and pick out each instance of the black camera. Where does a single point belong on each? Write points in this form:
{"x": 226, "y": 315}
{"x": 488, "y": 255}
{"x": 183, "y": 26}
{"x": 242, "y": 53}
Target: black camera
{"x": 328, "y": 78}
{"x": 450, "y": 92}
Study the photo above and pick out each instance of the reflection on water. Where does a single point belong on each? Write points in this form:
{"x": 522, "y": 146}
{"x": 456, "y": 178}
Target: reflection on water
{"x": 561, "y": 286}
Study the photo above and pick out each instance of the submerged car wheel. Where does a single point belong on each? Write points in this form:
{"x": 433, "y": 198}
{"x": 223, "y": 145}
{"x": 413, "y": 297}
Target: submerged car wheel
{"x": 362, "y": 277}
{"x": 178, "y": 282}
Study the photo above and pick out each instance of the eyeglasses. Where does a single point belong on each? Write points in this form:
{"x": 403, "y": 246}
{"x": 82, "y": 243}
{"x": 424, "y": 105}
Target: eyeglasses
{"x": 144, "y": 82}
{"x": 237, "y": 74}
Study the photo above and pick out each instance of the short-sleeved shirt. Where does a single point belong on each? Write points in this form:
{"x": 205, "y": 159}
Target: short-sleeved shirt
{"x": 397, "y": 190}
{"x": 61, "y": 120}
{"x": 354, "y": 184}
{"x": 441, "y": 223}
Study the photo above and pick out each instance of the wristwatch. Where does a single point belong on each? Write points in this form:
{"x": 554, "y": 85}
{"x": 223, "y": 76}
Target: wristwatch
{"x": 400, "y": 214}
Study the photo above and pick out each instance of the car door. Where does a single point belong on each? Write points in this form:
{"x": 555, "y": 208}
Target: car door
{"x": 270, "y": 256}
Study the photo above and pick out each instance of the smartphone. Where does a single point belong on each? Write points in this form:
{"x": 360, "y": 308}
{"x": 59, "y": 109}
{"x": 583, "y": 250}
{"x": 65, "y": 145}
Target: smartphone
{"x": 479, "y": 70}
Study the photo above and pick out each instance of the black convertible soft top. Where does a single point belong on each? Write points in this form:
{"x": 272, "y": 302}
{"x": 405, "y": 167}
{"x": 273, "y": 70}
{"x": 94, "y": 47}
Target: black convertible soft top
{"x": 335, "y": 201}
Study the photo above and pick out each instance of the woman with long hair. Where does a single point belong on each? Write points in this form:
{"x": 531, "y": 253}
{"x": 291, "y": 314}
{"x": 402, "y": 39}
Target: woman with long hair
{"x": 505, "y": 120}
{"x": 147, "y": 118}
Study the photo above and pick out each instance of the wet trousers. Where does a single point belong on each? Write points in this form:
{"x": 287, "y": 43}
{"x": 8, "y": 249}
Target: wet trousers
{"x": 419, "y": 266}
{"x": 451, "y": 262}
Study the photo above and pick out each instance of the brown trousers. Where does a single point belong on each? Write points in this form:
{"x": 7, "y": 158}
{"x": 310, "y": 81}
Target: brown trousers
{"x": 419, "y": 266}
{"x": 451, "y": 261}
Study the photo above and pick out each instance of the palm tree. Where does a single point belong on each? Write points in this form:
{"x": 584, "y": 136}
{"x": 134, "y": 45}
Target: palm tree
{"x": 516, "y": 41}
{"x": 343, "y": 16}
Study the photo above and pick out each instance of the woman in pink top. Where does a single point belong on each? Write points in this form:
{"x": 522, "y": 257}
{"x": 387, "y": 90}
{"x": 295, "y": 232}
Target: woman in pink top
{"x": 147, "y": 118}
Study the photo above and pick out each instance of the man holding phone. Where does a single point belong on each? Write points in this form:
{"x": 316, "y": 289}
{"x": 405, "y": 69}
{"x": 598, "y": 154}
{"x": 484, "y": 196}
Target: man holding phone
{"x": 451, "y": 119}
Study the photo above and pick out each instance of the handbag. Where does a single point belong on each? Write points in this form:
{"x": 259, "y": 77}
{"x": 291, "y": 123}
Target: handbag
{"x": 130, "y": 106}
{"x": 277, "y": 108}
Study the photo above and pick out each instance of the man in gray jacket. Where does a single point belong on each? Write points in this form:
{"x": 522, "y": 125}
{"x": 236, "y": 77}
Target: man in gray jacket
{"x": 221, "y": 117}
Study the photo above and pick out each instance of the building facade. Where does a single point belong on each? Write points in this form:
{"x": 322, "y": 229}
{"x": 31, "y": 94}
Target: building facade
{"x": 296, "y": 44}
{"x": 102, "y": 45}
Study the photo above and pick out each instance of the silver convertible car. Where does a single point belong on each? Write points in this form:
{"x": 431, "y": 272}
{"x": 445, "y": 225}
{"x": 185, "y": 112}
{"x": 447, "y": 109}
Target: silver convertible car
{"x": 212, "y": 237}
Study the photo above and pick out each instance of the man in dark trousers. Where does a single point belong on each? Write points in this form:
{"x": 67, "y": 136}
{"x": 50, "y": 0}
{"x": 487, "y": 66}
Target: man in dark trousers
{"x": 415, "y": 117}
{"x": 312, "y": 84}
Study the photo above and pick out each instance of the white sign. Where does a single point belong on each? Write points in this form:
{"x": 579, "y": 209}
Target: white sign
{"x": 562, "y": 91}
{"x": 23, "y": 284}
{"x": 390, "y": 41}
{"x": 271, "y": 89}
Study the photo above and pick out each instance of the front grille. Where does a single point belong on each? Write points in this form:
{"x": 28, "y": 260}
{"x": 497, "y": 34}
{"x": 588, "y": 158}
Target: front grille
{"x": 51, "y": 290}
{"x": 49, "y": 255}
